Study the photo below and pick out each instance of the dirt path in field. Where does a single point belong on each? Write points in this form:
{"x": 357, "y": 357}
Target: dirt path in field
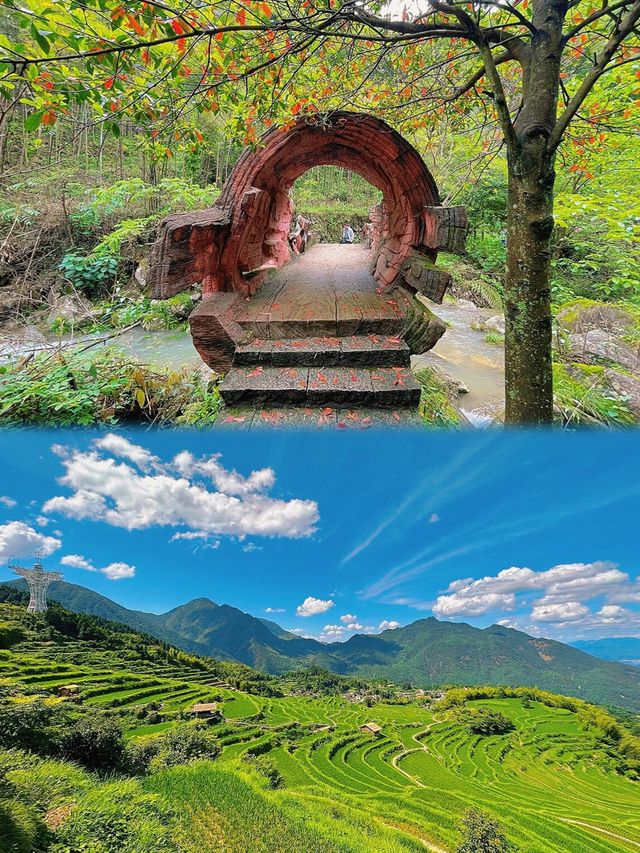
{"x": 420, "y": 748}
{"x": 602, "y": 831}
{"x": 410, "y": 830}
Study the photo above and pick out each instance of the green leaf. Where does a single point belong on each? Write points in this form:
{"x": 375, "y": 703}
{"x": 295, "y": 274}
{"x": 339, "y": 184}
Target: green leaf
{"x": 33, "y": 121}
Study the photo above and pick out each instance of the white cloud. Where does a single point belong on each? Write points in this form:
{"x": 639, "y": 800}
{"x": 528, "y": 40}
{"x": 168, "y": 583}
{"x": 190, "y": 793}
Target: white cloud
{"x": 18, "y": 540}
{"x": 562, "y": 583}
{"x": 117, "y": 571}
{"x": 567, "y": 611}
{"x": 250, "y": 547}
{"x": 112, "y": 491}
{"x": 77, "y": 562}
{"x": 558, "y": 599}
{"x": 228, "y": 482}
{"x": 274, "y": 610}
{"x": 349, "y": 617}
{"x": 434, "y": 518}
{"x": 354, "y": 626}
{"x": 119, "y": 446}
{"x": 114, "y": 571}
{"x": 7, "y": 501}
{"x": 388, "y": 625}
{"x": 313, "y": 606}
{"x": 333, "y": 632}
{"x": 42, "y": 520}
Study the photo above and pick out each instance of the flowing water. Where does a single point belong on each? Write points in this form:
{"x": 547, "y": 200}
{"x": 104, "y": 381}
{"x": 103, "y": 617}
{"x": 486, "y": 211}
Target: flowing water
{"x": 465, "y": 356}
{"x": 461, "y": 352}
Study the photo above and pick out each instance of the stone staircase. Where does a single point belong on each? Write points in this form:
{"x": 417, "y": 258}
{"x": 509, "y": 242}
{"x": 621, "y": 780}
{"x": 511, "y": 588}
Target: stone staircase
{"x": 364, "y": 371}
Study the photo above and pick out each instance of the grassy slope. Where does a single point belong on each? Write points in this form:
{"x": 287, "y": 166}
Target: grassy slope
{"x": 343, "y": 791}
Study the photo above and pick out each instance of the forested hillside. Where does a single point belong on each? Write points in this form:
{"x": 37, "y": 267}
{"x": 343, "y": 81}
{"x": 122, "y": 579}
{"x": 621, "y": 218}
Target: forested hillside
{"x": 427, "y": 653}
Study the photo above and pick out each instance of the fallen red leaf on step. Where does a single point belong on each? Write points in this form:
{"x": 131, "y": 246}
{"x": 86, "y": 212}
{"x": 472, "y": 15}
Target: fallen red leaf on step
{"x": 327, "y": 411}
{"x": 341, "y": 425}
{"x": 231, "y": 419}
{"x": 256, "y": 371}
{"x": 397, "y": 416}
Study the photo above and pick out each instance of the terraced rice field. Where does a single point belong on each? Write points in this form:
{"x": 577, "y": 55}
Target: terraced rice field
{"x": 108, "y": 687}
{"x": 549, "y": 782}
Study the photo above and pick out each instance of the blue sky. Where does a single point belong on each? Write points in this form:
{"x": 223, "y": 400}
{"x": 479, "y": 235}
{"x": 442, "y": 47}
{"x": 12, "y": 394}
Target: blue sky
{"x": 334, "y": 533}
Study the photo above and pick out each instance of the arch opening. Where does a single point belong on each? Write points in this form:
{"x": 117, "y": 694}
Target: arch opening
{"x": 330, "y": 196}
{"x": 257, "y": 195}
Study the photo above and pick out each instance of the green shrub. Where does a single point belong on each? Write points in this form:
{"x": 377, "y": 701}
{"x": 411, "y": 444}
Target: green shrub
{"x": 490, "y": 723}
{"x": 187, "y": 744}
{"x": 95, "y": 743}
{"x": 482, "y": 834}
{"x": 265, "y": 767}
{"x": 92, "y": 274}
{"x": 70, "y": 388}
{"x": 27, "y": 725}
{"x": 10, "y": 635}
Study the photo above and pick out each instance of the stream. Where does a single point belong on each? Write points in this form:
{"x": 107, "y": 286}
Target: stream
{"x": 461, "y": 352}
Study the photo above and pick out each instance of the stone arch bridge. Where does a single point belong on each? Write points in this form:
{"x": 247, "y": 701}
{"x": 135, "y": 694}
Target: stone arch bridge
{"x": 342, "y": 312}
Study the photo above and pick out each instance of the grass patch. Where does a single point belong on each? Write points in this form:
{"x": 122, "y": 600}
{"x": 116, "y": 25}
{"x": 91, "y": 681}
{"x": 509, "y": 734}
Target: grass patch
{"x": 435, "y": 406}
{"x": 582, "y": 397}
{"x": 73, "y": 388}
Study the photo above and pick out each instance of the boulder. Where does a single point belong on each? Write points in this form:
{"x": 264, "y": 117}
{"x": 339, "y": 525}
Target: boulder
{"x": 495, "y": 324}
{"x": 625, "y": 386}
{"x": 599, "y": 346}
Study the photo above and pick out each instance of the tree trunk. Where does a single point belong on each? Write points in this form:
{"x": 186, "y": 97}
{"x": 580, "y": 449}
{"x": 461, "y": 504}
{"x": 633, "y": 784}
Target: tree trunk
{"x": 528, "y": 373}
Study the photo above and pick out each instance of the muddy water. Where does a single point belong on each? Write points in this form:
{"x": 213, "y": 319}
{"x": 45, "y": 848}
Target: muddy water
{"x": 465, "y": 356}
{"x": 173, "y": 349}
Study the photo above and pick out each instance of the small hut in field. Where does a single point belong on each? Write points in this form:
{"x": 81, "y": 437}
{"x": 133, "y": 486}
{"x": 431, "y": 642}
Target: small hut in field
{"x": 371, "y": 729}
{"x": 69, "y": 690}
{"x": 206, "y": 711}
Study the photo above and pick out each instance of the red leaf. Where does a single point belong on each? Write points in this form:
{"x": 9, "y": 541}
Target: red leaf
{"x": 177, "y": 27}
{"x": 241, "y": 17}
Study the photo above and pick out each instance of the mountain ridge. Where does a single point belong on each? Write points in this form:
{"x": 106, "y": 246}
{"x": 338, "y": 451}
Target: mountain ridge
{"x": 427, "y": 652}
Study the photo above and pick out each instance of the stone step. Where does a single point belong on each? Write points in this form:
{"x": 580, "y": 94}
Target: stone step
{"x": 358, "y": 351}
{"x": 305, "y": 386}
{"x": 313, "y": 417}
{"x": 268, "y": 327}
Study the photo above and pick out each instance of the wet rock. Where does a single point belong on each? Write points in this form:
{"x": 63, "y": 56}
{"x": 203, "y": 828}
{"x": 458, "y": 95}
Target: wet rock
{"x": 495, "y": 324}
{"x": 455, "y": 386}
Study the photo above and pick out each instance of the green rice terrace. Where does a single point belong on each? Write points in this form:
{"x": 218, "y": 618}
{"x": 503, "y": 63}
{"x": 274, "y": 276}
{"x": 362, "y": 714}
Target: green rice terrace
{"x": 113, "y": 741}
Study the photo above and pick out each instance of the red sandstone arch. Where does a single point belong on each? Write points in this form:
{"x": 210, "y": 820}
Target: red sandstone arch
{"x": 257, "y": 193}
{"x": 248, "y": 227}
